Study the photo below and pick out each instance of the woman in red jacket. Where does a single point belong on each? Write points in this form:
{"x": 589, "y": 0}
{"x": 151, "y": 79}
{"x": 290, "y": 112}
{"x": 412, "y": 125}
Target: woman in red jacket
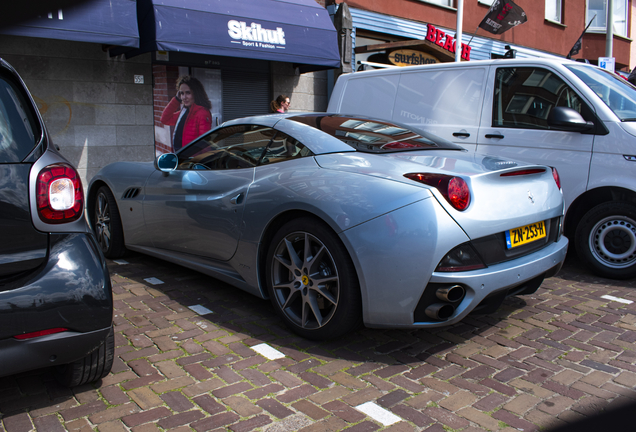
{"x": 189, "y": 111}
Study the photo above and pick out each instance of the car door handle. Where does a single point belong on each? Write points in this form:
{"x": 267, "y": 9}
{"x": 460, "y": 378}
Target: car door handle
{"x": 494, "y": 136}
{"x": 237, "y": 199}
{"x": 461, "y": 134}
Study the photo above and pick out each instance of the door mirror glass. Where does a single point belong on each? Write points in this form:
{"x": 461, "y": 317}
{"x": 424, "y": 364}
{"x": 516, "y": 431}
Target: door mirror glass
{"x": 167, "y": 162}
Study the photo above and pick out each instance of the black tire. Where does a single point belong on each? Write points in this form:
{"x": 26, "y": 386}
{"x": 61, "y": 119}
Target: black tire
{"x": 107, "y": 224}
{"x": 91, "y": 368}
{"x": 317, "y": 298}
{"x": 606, "y": 240}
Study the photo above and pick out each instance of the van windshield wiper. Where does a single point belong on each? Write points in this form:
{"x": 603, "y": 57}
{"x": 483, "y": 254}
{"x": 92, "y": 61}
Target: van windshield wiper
{"x": 629, "y": 119}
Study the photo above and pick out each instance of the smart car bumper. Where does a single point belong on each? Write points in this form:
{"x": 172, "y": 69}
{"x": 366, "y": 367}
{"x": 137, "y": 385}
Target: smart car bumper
{"x": 72, "y": 291}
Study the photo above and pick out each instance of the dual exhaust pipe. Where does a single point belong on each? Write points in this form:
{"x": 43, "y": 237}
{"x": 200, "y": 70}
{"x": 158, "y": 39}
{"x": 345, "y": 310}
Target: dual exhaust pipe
{"x": 450, "y": 296}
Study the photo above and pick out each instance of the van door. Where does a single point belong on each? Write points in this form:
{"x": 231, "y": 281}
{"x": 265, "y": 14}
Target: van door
{"x": 446, "y": 102}
{"x": 514, "y": 124}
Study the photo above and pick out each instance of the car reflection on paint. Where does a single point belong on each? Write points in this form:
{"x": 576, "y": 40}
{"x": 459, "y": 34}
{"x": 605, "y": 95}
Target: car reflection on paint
{"x": 338, "y": 220}
{"x": 56, "y": 305}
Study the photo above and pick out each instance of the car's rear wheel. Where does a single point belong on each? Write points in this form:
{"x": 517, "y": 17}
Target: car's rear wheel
{"x": 93, "y": 367}
{"x": 312, "y": 282}
{"x": 107, "y": 224}
{"x": 606, "y": 240}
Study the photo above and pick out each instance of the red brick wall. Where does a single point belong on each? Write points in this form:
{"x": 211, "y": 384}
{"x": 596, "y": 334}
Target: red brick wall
{"x": 535, "y": 33}
{"x": 165, "y": 78}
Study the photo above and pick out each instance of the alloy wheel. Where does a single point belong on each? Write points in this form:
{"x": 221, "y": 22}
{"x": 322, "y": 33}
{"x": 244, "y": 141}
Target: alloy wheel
{"x": 305, "y": 280}
{"x": 102, "y": 222}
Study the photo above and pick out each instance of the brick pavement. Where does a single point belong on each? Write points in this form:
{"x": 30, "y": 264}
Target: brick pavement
{"x": 541, "y": 361}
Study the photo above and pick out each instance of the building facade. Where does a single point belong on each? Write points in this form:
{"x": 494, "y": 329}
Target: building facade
{"x": 552, "y": 28}
{"x": 101, "y": 93}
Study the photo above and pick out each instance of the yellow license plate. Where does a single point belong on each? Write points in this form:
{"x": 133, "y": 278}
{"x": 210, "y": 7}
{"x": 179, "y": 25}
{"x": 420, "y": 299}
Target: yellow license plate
{"x": 525, "y": 234}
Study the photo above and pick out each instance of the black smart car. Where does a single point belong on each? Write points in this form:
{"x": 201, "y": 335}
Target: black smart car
{"x": 56, "y": 304}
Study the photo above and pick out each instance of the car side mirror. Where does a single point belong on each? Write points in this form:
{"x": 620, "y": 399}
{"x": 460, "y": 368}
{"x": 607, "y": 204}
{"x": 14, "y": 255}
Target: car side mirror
{"x": 167, "y": 162}
{"x": 568, "y": 119}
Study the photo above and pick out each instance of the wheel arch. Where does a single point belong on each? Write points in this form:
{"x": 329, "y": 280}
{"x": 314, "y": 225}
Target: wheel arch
{"x": 591, "y": 198}
{"x": 91, "y": 196}
{"x": 268, "y": 234}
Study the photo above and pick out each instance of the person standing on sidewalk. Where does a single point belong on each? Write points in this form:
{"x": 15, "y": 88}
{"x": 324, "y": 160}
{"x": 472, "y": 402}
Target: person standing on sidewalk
{"x": 280, "y": 104}
{"x": 189, "y": 111}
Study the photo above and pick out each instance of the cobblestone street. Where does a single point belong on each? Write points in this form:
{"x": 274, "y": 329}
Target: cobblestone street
{"x": 539, "y": 362}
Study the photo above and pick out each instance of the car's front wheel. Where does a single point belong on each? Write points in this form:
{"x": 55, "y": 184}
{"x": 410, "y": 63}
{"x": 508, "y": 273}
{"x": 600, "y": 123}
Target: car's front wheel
{"x": 606, "y": 240}
{"x": 107, "y": 224}
{"x": 312, "y": 282}
{"x": 93, "y": 367}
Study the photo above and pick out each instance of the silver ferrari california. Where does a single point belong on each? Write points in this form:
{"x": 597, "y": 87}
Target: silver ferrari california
{"x": 340, "y": 220}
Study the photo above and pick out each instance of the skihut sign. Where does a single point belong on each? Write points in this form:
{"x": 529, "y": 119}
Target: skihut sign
{"x": 446, "y": 41}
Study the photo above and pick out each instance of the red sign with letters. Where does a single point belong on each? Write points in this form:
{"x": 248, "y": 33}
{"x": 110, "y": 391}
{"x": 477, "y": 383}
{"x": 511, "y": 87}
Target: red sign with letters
{"x": 438, "y": 37}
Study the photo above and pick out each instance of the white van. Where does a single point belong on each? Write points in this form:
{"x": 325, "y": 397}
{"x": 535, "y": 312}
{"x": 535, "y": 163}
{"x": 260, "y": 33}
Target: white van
{"x": 573, "y": 116}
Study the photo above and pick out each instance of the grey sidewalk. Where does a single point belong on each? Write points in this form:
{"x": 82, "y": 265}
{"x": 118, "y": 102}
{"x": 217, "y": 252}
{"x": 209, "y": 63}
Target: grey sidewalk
{"x": 540, "y": 361}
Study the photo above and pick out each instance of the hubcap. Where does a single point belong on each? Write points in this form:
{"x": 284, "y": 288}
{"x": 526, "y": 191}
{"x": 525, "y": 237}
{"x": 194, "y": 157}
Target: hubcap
{"x": 102, "y": 222}
{"x": 613, "y": 241}
{"x": 305, "y": 280}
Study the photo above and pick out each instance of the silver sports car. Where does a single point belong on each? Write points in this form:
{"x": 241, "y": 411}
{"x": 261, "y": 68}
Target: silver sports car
{"x": 340, "y": 220}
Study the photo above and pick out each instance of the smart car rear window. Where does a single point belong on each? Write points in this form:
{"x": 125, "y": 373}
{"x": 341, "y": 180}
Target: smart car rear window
{"x": 18, "y": 128}
{"x": 375, "y": 136}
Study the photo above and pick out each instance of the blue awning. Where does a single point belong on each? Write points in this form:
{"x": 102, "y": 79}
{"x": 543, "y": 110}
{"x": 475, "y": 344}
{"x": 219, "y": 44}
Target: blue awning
{"x": 110, "y": 22}
{"x": 293, "y": 31}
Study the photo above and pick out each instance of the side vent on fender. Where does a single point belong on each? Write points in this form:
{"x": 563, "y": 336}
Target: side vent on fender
{"x": 131, "y": 193}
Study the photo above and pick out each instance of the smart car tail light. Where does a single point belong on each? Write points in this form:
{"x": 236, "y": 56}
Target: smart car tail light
{"x": 453, "y": 189}
{"x": 40, "y": 333}
{"x": 60, "y": 197}
{"x": 557, "y": 179}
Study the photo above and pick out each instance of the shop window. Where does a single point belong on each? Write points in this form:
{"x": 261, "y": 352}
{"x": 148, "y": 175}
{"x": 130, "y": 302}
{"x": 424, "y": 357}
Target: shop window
{"x": 597, "y": 12}
{"x": 525, "y": 96}
{"x": 553, "y": 10}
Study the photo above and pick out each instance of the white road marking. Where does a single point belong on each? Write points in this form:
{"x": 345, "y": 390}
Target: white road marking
{"x": 154, "y": 281}
{"x": 201, "y": 310}
{"x": 378, "y": 413}
{"x": 268, "y": 352}
{"x": 616, "y": 299}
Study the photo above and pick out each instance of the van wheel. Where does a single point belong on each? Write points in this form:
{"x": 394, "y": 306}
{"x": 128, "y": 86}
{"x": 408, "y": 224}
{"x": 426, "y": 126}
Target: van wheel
{"x": 312, "y": 282}
{"x": 91, "y": 368}
{"x": 107, "y": 224}
{"x": 606, "y": 240}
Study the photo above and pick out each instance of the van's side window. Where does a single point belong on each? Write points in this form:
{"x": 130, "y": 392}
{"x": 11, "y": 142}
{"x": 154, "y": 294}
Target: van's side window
{"x": 524, "y": 97}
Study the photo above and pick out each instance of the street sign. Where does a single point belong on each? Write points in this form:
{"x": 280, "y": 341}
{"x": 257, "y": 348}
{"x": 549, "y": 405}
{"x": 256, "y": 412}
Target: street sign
{"x": 607, "y": 63}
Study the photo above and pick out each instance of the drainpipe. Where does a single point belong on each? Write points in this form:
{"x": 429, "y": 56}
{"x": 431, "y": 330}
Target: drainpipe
{"x": 458, "y": 35}
{"x": 609, "y": 35}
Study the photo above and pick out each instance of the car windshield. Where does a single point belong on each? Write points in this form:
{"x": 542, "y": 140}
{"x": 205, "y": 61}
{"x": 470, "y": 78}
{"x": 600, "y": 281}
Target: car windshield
{"x": 375, "y": 136}
{"x": 618, "y": 94}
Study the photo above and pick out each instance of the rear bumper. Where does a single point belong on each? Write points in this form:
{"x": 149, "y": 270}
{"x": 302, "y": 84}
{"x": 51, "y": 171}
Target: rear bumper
{"x": 70, "y": 290}
{"x": 514, "y": 276}
{"x": 62, "y": 348}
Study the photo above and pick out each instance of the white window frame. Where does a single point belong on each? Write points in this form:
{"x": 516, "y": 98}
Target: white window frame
{"x": 443, "y": 3}
{"x": 553, "y": 7}
{"x": 599, "y": 24}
